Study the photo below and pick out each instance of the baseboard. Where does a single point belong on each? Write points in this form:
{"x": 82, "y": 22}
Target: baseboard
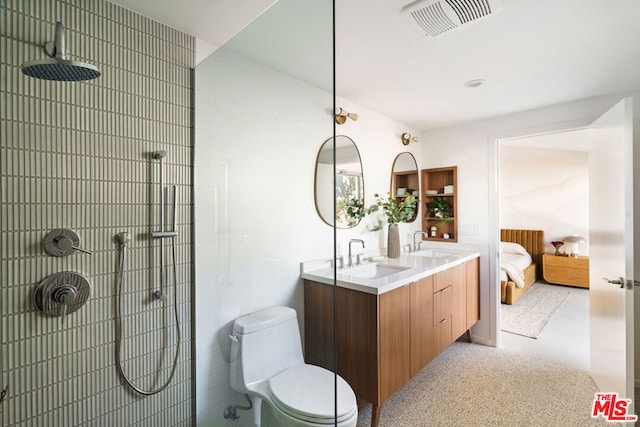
{"x": 482, "y": 341}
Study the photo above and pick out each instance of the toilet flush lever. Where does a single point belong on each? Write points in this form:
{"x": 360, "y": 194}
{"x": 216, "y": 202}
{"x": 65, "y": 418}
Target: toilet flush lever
{"x": 233, "y": 338}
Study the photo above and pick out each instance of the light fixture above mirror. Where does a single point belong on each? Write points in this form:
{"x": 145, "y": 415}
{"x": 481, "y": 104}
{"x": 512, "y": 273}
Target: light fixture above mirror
{"x": 342, "y": 115}
{"x": 407, "y": 138}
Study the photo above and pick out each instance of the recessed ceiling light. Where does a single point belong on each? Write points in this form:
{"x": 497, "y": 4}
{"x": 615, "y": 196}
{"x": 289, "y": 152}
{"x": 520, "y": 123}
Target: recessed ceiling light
{"x": 474, "y": 83}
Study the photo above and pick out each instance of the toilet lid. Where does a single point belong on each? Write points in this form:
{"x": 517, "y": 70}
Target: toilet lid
{"x": 307, "y": 392}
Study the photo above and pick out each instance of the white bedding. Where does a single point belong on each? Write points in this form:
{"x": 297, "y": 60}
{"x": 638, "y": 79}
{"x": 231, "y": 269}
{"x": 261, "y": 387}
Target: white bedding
{"x": 513, "y": 260}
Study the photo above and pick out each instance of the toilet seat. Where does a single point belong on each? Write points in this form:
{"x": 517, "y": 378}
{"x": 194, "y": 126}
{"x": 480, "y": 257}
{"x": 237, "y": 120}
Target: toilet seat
{"x": 306, "y": 392}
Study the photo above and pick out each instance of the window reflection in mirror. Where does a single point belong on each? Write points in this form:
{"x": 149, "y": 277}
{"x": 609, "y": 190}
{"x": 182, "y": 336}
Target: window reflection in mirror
{"x": 349, "y": 183}
{"x": 404, "y": 178}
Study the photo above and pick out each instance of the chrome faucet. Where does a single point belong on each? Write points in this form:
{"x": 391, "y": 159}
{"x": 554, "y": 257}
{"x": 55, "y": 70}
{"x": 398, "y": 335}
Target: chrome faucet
{"x": 337, "y": 262}
{"x": 349, "y": 260}
{"x": 416, "y": 246}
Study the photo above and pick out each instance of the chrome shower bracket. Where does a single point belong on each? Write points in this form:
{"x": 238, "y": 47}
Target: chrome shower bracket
{"x": 62, "y": 242}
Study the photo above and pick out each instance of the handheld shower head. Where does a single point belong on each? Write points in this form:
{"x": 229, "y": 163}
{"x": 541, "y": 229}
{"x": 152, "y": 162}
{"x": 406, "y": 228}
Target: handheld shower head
{"x": 123, "y": 238}
{"x": 59, "y": 67}
{"x": 157, "y": 155}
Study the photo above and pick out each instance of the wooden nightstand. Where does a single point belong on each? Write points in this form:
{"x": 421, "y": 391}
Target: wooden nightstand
{"x": 566, "y": 270}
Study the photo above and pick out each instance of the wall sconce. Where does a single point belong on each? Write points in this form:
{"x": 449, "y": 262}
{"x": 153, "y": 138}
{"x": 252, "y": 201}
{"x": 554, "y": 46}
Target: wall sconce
{"x": 407, "y": 138}
{"x": 573, "y": 244}
{"x": 341, "y": 116}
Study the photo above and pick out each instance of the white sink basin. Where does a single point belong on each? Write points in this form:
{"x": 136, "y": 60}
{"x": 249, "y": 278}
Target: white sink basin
{"x": 434, "y": 253}
{"x": 372, "y": 271}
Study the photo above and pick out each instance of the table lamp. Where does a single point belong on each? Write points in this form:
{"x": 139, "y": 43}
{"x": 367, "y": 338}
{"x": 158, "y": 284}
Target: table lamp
{"x": 573, "y": 244}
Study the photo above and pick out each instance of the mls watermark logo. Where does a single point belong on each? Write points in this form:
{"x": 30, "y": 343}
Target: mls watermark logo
{"x": 611, "y": 408}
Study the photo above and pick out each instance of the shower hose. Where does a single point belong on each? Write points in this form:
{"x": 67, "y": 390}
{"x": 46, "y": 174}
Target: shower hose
{"x": 123, "y": 239}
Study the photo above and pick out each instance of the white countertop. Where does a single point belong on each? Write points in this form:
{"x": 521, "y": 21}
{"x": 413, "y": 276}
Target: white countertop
{"x": 418, "y": 267}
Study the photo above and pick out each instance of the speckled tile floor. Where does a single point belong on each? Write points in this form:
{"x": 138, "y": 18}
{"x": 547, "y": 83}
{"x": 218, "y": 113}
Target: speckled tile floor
{"x": 475, "y": 385}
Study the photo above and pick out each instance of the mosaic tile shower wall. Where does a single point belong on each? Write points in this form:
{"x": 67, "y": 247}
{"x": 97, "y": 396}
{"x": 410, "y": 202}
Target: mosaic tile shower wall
{"x": 78, "y": 156}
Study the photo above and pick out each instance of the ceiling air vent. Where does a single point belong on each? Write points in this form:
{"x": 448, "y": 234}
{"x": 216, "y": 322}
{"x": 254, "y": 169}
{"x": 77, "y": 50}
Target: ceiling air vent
{"x": 436, "y": 17}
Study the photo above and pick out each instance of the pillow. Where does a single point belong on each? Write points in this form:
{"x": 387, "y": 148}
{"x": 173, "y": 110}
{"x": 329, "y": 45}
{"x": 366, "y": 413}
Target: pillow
{"x": 512, "y": 248}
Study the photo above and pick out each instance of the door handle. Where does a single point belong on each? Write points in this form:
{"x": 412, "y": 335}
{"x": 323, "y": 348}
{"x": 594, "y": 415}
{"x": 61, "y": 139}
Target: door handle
{"x": 630, "y": 283}
{"x": 619, "y": 281}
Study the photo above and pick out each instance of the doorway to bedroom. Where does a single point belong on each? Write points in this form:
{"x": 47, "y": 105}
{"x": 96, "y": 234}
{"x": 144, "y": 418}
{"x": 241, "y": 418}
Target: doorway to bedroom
{"x": 544, "y": 185}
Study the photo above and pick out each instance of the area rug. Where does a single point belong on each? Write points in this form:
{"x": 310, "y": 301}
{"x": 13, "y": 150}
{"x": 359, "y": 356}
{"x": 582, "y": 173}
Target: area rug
{"x": 533, "y": 310}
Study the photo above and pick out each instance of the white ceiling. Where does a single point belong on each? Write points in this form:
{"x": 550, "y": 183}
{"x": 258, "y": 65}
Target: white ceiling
{"x": 532, "y": 53}
{"x": 214, "y": 21}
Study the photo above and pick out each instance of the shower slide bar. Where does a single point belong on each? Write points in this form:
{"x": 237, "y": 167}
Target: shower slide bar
{"x": 124, "y": 238}
{"x": 162, "y": 233}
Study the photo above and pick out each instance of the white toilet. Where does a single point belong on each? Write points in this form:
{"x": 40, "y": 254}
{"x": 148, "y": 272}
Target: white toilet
{"x": 267, "y": 364}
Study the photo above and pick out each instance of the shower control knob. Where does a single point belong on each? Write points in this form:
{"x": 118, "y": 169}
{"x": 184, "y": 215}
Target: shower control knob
{"x": 84, "y": 251}
{"x": 65, "y": 295}
{"x": 63, "y": 242}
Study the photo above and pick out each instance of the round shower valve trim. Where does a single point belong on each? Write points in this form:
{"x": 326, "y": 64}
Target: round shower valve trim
{"x": 61, "y": 293}
{"x": 62, "y": 242}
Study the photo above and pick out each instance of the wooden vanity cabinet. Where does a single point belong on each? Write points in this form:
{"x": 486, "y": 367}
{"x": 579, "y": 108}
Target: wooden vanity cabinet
{"x": 442, "y": 319}
{"x": 472, "y": 268}
{"x": 455, "y": 278}
{"x": 373, "y": 336}
{"x": 384, "y": 340}
{"x": 422, "y": 323}
{"x": 393, "y": 341}
{"x": 464, "y": 281}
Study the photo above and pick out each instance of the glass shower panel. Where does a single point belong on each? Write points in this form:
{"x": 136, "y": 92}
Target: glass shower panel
{"x": 264, "y": 105}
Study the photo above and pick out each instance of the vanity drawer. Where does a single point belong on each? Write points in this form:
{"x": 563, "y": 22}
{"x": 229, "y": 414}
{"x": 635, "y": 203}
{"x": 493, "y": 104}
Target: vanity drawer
{"x": 442, "y": 301}
{"x": 455, "y": 274}
{"x": 442, "y": 322}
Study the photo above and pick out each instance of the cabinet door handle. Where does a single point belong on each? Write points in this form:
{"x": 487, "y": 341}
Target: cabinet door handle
{"x": 443, "y": 321}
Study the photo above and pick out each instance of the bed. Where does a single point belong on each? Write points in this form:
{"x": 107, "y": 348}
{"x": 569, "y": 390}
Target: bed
{"x": 529, "y": 241}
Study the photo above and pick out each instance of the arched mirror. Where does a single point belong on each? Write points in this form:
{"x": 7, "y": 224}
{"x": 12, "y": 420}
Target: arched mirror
{"x": 348, "y": 180}
{"x": 404, "y": 178}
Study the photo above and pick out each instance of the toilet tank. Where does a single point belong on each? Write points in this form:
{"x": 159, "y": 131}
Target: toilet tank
{"x": 264, "y": 343}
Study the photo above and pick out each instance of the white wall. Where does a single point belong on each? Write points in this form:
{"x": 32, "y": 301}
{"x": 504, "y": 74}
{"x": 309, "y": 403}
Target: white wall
{"x": 545, "y": 189}
{"x": 472, "y": 147}
{"x": 258, "y": 133}
{"x": 378, "y": 140}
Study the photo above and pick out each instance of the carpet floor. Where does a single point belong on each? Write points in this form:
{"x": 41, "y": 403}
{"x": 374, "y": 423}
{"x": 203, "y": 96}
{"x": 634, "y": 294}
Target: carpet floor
{"x": 475, "y": 385}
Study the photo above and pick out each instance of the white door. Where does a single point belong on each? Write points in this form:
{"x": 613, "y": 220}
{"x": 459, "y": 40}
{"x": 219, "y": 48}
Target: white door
{"x": 611, "y": 249}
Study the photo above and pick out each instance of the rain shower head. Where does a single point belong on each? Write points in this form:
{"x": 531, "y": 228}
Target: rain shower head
{"x": 59, "y": 67}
